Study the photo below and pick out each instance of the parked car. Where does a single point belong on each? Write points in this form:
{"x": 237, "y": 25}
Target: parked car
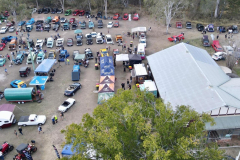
{"x": 64, "y": 107}
{"x": 116, "y": 24}
{"x": 11, "y": 29}
{"x": 200, "y": 27}
{"x": 116, "y": 16}
{"x": 109, "y": 39}
{"x": 178, "y": 38}
{"x": 228, "y": 49}
{"x": 90, "y": 25}
{"x": 2, "y": 60}
{"x": 83, "y": 25}
{"x": 68, "y": 12}
{"x": 72, "y": 89}
{"x": 125, "y": 16}
{"x": 47, "y": 27}
{"x": 72, "y": 20}
{"x": 21, "y": 23}
{"x": 205, "y": 41}
{"x": 99, "y": 14}
{"x": 46, "y": 10}
{"x": 56, "y": 19}
{"x": 222, "y": 29}
{"x": 234, "y": 29}
{"x": 63, "y": 20}
{"x": 31, "y": 21}
{"x": 76, "y": 12}
{"x": 24, "y": 71}
{"x": 31, "y": 57}
{"x": 210, "y": 28}
{"x": 39, "y": 22}
{"x": 39, "y": 43}
{"x": 29, "y": 28}
{"x": 66, "y": 26}
{"x": 74, "y": 26}
{"x": 4, "y": 30}
{"x": 54, "y": 10}
{"x": 100, "y": 23}
{"x": 136, "y": 16}
{"x": 69, "y": 42}
{"x": 179, "y": 25}
{"x": 82, "y": 12}
{"x": 216, "y": 46}
{"x": 19, "y": 59}
{"x": 2, "y": 46}
{"x": 219, "y": 56}
{"x": 18, "y": 84}
{"x": 40, "y": 10}
{"x": 87, "y": 13}
{"x": 40, "y": 57}
{"x": 188, "y": 25}
{"x": 56, "y": 26}
{"x": 9, "y": 24}
{"x": 51, "y": 54}
{"x": 110, "y": 25}
{"x": 143, "y": 41}
{"x": 94, "y": 34}
{"x": 59, "y": 11}
{"x": 33, "y": 119}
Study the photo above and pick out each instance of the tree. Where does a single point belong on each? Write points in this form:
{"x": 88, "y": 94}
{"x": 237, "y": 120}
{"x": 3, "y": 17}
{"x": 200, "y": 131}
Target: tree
{"x": 62, "y": 4}
{"x": 105, "y": 6}
{"x": 216, "y": 9}
{"x": 165, "y": 8}
{"x": 230, "y": 61}
{"x": 136, "y": 125}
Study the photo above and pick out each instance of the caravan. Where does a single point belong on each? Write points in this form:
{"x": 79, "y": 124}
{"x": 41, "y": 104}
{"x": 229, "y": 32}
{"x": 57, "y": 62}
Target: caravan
{"x": 141, "y": 50}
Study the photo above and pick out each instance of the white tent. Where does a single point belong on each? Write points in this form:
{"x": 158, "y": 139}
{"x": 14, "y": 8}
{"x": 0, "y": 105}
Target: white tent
{"x": 122, "y": 57}
{"x": 140, "y": 70}
{"x": 139, "y": 29}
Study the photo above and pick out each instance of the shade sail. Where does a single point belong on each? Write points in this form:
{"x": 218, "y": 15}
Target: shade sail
{"x": 122, "y": 57}
{"x": 45, "y": 66}
{"x": 107, "y": 79}
{"x": 107, "y": 87}
{"x": 7, "y": 107}
{"x": 39, "y": 80}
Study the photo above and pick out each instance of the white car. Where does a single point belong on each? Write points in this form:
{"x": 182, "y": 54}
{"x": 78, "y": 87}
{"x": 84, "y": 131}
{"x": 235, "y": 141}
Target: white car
{"x": 94, "y": 34}
{"x": 33, "y": 119}
{"x": 50, "y": 42}
{"x": 219, "y": 55}
{"x": 39, "y": 43}
{"x": 66, "y": 105}
{"x": 143, "y": 41}
{"x": 59, "y": 42}
{"x": 110, "y": 25}
{"x": 109, "y": 39}
{"x": 99, "y": 40}
{"x": 86, "y": 35}
{"x": 3, "y": 30}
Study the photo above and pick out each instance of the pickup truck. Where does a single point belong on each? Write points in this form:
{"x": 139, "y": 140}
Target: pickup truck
{"x": 33, "y": 119}
{"x": 59, "y": 42}
{"x": 100, "y": 24}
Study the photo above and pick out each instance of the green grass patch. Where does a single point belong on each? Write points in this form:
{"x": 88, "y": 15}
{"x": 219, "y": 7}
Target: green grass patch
{"x": 236, "y": 70}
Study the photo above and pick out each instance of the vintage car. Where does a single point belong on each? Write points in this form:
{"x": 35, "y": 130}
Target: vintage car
{"x": 47, "y": 27}
{"x": 143, "y": 41}
{"x": 56, "y": 19}
{"x": 59, "y": 11}
{"x": 210, "y": 28}
{"x": 205, "y": 41}
{"x": 104, "y": 52}
{"x": 100, "y": 23}
{"x": 31, "y": 21}
{"x": 39, "y": 43}
{"x": 72, "y": 89}
{"x": 8, "y": 38}
{"x": 56, "y": 26}
{"x": 39, "y": 22}
{"x": 59, "y": 42}
{"x": 200, "y": 27}
{"x": 12, "y": 45}
{"x": 116, "y": 24}
{"x": 76, "y": 12}
{"x": 63, "y": 20}
{"x": 18, "y": 84}
{"x": 2, "y": 60}
{"x": 31, "y": 57}
{"x": 110, "y": 25}
{"x": 234, "y": 29}
{"x": 89, "y": 39}
{"x": 66, "y": 26}
{"x": 178, "y": 38}
{"x": 109, "y": 39}
{"x": 66, "y": 105}
{"x": 2, "y": 46}
{"x": 4, "y": 30}
{"x": 118, "y": 38}
{"x": 90, "y": 25}
{"x": 116, "y": 16}
{"x": 21, "y": 23}
{"x": 50, "y": 42}
{"x": 216, "y": 46}
{"x": 24, "y": 71}
{"x": 68, "y": 12}
{"x": 33, "y": 119}
{"x": 19, "y": 59}
{"x": 82, "y": 12}
{"x": 222, "y": 29}
{"x": 89, "y": 53}
{"x": 125, "y": 16}
{"x": 83, "y": 25}
{"x": 99, "y": 14}
{"x": 219, "y": 56}
{"x": 9, "y": 24}
{"x": 179, "y": 25}
{"x": 46, "y": 10}
{"x": 74, "y": 26}
{"x": 40, "y": 57}
{"x": 79, "y": 41}
{"x": 25, "y": 150}
{"x": 29, "y": 28}
{"x": 69, "y": 42}
{"x": 51, "y": 54}
{"x": 136, "y": 16}
{"x": 11, "y": 29}
{"x": 41, "y": 10}
{"x": 48, "y": 19}
{"x": 99, "y": 39}
{"x": 188, "y": 25}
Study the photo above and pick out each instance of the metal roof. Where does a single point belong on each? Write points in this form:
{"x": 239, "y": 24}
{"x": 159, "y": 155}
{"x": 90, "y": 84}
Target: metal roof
{"x": 187, "y": 75}
{"x": 224, "y": 122}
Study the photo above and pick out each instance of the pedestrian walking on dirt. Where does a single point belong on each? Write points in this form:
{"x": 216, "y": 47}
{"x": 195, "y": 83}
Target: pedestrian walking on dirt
{"x": 62, "y": 115}
{"x": 6, "y": 71}
{"x": 133, "y": 36}
{"x": 56, "y": 119}
{"x": 15, "y": 132}
{"x": 129, "y": 86}
{"x": 16, "y": 33}
{"x": 20, "y": 130}
{"x": 39, "y": 129}
{"x": 68, "y": 62}
{"x": 225, "y": 36}
{"x": 127, "y": 82}
{"x": 123, "y": 86}
{"x": 217, "y": 36}
{"x": 8, "y": 57}
{"x": 130, "y": 79}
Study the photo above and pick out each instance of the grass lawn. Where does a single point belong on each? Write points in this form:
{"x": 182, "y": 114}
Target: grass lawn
{"x": 236, "y": 70}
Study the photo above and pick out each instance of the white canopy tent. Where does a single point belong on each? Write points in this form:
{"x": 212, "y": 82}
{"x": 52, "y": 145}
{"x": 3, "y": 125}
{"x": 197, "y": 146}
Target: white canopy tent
{"x": 139, "y": 29}
{"x": 122, "y": 57}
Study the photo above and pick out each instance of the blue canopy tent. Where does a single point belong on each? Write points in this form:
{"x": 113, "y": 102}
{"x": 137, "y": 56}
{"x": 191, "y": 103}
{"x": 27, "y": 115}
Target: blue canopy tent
{"x": 45, "y": 66}
{"x": 109, "y": 71}
{"x": 106, "y": 61}
{"x": 67, "y": 152}
{"x": 39, "y": 81}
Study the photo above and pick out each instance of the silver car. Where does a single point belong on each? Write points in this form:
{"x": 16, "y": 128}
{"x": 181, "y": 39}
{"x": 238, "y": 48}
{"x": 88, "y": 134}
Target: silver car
{"x": 11, "y": 29}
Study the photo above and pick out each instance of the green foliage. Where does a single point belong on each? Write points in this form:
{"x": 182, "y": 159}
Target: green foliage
{"x": 136, "y": 125}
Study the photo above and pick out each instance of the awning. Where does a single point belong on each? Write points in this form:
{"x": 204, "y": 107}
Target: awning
{"x": 139, "y": 29}
{"x": 7, "y": 107}
{"x": 224, "y": 122}
{"x": 45, "y": 66}
{"x": 122, "y": 57}
{"x": 38, "y": 80}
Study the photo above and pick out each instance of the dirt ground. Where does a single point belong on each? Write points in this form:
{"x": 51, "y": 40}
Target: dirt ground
{"x": 86, "y": 99}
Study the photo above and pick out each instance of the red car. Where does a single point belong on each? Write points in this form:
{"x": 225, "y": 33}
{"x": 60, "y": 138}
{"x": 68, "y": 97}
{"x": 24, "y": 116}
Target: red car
{"x": 2, "y": 45}
{"x": 9, "y": 24}
{"x": 136, "y": 16}
{"x": 82, "y": 12}
{"x": 116, "y": 24}
{"x": 72, "y": 20}
{"x": 125, "y": 16}
{"x": 179, "y": 24}
{"x": 116, "y": 16}
{"x": 178, "y": 38}
{"x": 6, "y": 14}
{"x": 216, "y": 46}
{"x": 76, "y": 12}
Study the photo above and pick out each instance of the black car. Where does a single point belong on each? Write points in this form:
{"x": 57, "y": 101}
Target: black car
{"x": 99, "y": 14}
{"x": 87, "y": 13}
{"x": 56, "y": 27}
{"x": 89, "y": 41}
{"x": 205, "y": 41}
{"x": 200, "y": 27}
{"x": 79, "y": 42}
{"x": 24, "y": 71}
{"x": 38, "y": 27}
{"x": 46, "y": 10}
{"x": 39, "y": 22}
{"x": 234, "y": 28}
{"x": 40, "y": 10}
{"x": 72, "y": 89}
{"x": 54, "y": 10}
{"x": 222, "y": 29}
{"x": 74, "y": 26}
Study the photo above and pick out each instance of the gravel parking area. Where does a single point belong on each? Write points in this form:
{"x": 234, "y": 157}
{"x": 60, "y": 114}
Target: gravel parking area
{"x": 86, "y": 99}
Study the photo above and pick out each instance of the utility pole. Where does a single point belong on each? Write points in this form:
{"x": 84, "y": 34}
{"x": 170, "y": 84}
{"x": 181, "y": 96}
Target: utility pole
{"x": 30, "y": 52}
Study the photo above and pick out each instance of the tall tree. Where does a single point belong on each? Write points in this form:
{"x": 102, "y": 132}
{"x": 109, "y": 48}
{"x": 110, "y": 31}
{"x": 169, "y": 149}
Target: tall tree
{"x": 136, "y": 125}
{"x": 62, "y": 4}
{"x": 105, "y": 7}
{"x": 216, "y": 9}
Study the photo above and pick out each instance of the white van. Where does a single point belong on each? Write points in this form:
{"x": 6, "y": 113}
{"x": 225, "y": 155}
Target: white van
{"x": 7, "y": 118}
{"x": 143, "y": 41}
{"x": 219, "y": 55}
{"x": 141, "y": 50}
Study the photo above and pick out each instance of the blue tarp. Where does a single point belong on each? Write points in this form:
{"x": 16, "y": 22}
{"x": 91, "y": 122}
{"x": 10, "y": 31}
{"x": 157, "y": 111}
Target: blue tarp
{"x": 45, "y": 66}
{"x": 67, "y": 150}
{"x": 109, "y": 71}
{"x": 38, "y": 80}
{"x": 106, "y": 62}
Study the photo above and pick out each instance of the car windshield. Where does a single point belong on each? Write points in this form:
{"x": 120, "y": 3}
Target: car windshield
{"x": 50, "y": 55}
{"x": 62, "y": 18}
{"x": 69, "y": 40}
{"x": 219, "y": 48}
{"x": 1, "y": 45}
{"x": 39, "y": 58}
{"x": 109, "y": 39}
{"x": 142, "y": 41}
{"x": 109, "y": 23}
{"x": 135, "y": 15}
{"x": 49, "y": 43}
{"x": 125, "y": 16}
{"x": 74, "y": 12}
{"x": 1, "y": 60}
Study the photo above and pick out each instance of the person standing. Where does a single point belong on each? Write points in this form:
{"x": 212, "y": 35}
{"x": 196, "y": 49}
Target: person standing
{"x": 225, "y": 36}
{"x": 68, "y": 62}
{"x": 20, "y": 130}
{"x": 6, "y": 71}
{"x": 28, "y": 34}
{"x": 65, "y": 60}
{"x": 130, "y": 79}
{"x": 217, "y": 36}
{"x": 133, "y": 36}
{"x": 16, "y": 33}
{"x": 56, "y": 119}
{"x": 39, "y": 129}
{"x": 129, "y": 86}
{"x": 8, "y": 57}
{"x": 123, "y": 86}
{"x": 62, "y": 115}
{"x": 15, "y": 132}
{"x": 127, "y": 82}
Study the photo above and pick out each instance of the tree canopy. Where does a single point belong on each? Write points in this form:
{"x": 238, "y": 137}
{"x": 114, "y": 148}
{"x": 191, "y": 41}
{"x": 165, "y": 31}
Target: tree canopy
{"x": 136, "y": 125}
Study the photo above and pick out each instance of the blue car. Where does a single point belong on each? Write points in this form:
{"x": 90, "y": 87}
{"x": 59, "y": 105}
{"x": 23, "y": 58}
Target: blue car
{"x": 31, "y": 21}
{"x": 8, "y": 38}
{"x": 18, "y": 84}
{"x": 21, "y": 23}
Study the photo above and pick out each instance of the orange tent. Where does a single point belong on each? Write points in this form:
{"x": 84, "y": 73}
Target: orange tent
{"x": 107, "y": 79}
{"x": 107, "y": 87}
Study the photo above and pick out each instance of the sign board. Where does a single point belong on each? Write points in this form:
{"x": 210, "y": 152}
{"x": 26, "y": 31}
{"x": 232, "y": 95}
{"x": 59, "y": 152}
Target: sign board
{"x": 39, "y": 80}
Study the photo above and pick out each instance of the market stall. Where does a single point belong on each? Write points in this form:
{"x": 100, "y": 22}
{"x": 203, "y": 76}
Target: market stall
{"x": 39, "y": 81}
{"x": 105, "y": 92}
{"x": 107, "y": 79}
{"x": 134, "y": 59}
{"x": 149, "y": 86}
{"x": 140, "y": 73}
{"x": 45, "y": 66}
{"x": 107, "y": 71}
